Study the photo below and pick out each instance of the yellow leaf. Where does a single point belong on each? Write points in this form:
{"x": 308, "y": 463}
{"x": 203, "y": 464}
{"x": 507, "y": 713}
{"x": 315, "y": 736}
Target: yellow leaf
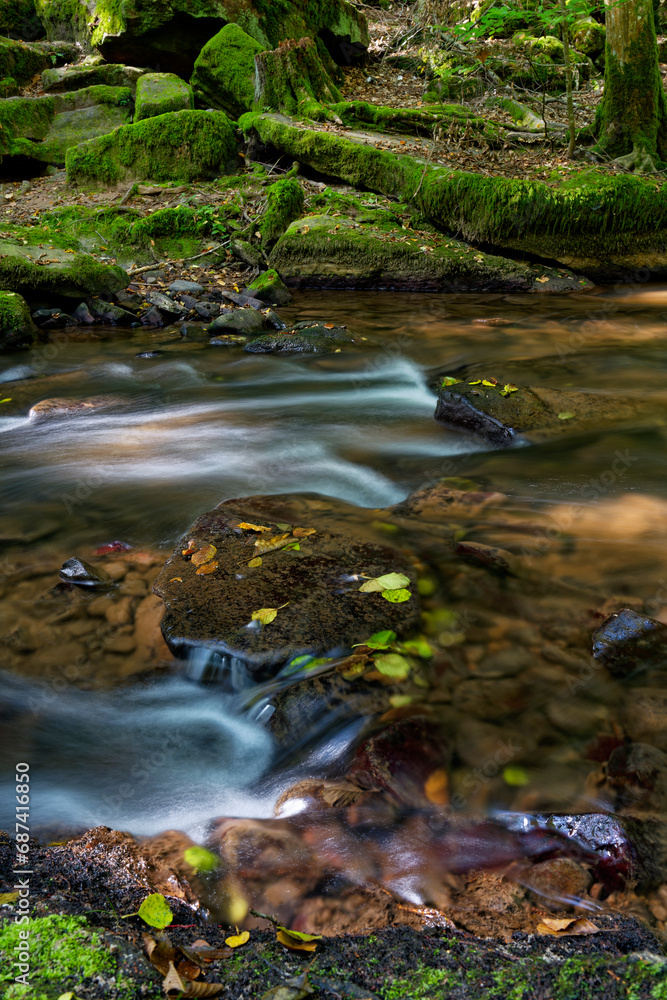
{"x": 193, "y": 545}
{"x": 253, "y": 527}
{"x": 263, "y": 545}
{"x": 8, "y": 897}
{"x": 436, "y": 787}
{"x": 206, "y": 568}
{"x": 254, "y": 563}
{"x": 543, "y": 278}
{"x": 236, "y": 940}
{"x": 284, "y": 937}
{"x": 204, "y": 555}
{"x": 176, "y": 579}
{"x": 265, "y": 615}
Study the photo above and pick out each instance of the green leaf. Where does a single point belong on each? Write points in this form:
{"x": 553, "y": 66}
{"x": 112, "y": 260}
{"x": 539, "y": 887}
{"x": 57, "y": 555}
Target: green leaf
{"x": 396, "y": 596}
{"x": 392, "y": 665}
{"x": 293, "y": 547}
{"x": 449, "y": 380}
{"x": 418, "y": 647}
{"x": 201, "y": 859}
{"x": 155, "y": 911}
{"x": 566, "y": 415}
{"x": 390, "y": 581}
{"x": 516, "y": 777}
{"x": 379, "y": 640}
{"x": 299, "y": 935}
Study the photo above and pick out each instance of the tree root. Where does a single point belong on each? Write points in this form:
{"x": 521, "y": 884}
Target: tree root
{"x": 638, "y": 161}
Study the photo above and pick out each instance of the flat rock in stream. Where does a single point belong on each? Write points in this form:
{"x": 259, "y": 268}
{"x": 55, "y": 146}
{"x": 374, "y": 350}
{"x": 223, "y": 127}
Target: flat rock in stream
{"x": 530, "y": 414}
{"x": 315, "y": 338}
{"x": 374, "y": 251}
{"x": 211, "y": 593}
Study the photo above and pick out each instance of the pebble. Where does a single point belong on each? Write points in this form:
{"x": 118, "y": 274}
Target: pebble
{"x": 83, "y": 574}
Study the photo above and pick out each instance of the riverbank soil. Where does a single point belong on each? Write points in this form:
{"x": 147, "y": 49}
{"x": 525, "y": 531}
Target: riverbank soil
{"x": 332, "y": 389}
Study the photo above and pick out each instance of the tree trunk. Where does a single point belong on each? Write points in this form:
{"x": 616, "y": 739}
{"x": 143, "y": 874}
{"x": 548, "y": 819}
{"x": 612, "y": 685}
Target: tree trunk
{"x": 631, "y": 122}
{"x": 568, "y": 81}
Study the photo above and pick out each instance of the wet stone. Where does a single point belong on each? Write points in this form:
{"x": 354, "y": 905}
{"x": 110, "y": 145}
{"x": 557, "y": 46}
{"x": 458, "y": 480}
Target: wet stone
{"x": 83, "y": 315}
{"x": 207, "y": 310}
{"x": 83, "y": 574}
{"x": 189, "y": 287}
{"x": 168, "y": 307}
{"x": 58, "y": 407}
{"x": 638, "y": 773}
{"x": 628, "y": 641}
{"x": 314, "y": 339}
{"x": 152, "y": 318}
{"x": 246, "y": 321}
{"x": 315, "y": 589}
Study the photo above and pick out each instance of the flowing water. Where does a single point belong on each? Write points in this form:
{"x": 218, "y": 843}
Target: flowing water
{"x": 195, "y": 425}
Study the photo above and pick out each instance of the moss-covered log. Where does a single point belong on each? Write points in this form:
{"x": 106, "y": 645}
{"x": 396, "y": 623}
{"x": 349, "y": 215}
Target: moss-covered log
{"x": 602, "y": 224}
{"x": 291, "y": 77}
{"x": 631, "y": 122}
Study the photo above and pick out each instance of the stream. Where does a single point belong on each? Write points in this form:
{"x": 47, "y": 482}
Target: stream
{"x": 117, "y": 733}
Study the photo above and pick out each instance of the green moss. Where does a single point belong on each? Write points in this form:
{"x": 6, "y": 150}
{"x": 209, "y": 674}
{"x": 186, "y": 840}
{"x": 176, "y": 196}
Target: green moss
{"x": 16, "y": 326}
{"x": 593, "y": 222}
{"x": 415, "y": 121}
{"x": 63, "y": 952}
{"x": 21, "y": 60}
{"x": 18, "y": 19}
{"x": 182, "y": 145}
{"x": 284, "y": 203}
{"x": 224, "y": 72}
{"x": 160, "y": 93}
{"x": 291, "y": 78}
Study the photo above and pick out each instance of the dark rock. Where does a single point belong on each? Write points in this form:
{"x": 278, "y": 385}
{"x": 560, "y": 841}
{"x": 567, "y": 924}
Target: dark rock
{"x": 247, "y": 321}
{"x": 313, "y": 339}
{"x": 270, "y": 288}
{"x": 170, "y": 310}
{"x": 52, "y": 319}
{"x": 228, "y": 340}
{"x": 130, "y": 300}
{"x": 189, "y": 301}
{"x": 107, "y": 312}
{"x": 639, "y": 773}
{"x": 627, "y": 641}
{"x": 318, "y": 586}
{"x": 207, "y": 310}
{"x": 83, "y": 315}
{"x": 153, "y": 317}
{"x": 241, "y": 299}
{"x": 274, "y": 319}
{"x": 529, "y": 414}
{"x": 488, "y": 556}
{"x": 190, "y": 287}
{"x": 248, "y": 253}
{"x": 83, "y": 574}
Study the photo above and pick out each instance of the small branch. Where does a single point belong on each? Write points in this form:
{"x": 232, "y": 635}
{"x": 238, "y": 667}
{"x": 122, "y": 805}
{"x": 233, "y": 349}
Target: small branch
{"x": 163, "y": 263}
{"x": 128, "y": 194}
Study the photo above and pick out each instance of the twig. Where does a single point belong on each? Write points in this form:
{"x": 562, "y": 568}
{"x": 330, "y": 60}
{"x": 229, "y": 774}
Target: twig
{"x": 265, "y": 916}
{"x": 127, "y": 195}
{"x": 162, "y": 263}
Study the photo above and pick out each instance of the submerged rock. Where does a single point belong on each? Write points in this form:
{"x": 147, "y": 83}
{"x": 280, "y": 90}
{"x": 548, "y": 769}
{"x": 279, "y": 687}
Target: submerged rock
{"x": 309, "y": 575}
{"x": 57, "y": 407}
{"x": 628, "y": 641}
{"x": 505, "y": 417}
{"x": 323, "y": 251}
{"x": 83, "y": 574}
{"x": 317, "y": 338}
{"x": 16, "y": 326}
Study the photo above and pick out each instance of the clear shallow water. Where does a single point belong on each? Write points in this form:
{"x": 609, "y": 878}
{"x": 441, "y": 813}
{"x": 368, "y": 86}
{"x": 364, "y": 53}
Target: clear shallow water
{"x": 198, "y": 425}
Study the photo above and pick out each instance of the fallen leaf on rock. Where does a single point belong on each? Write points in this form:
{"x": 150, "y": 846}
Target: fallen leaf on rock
{"x": 253, "y": 527}
{"x": 565, "y": 415}
{"x": 174, "y": 986}
{"x": 329, "y": 326}
{"x": 449, "y": 380}
{"x": 266, "y": 615}
{"x": 209, "y": 567}
{"x": 254, "y": 563}
{"x": 392, "y": 665}
{"x": 563, "y": 927}
{"x": 193, "y": 545}
{"x": 8, "y": 897}
{"x": 543, "y": 278}
{"x": 176, "y": 579}
{"x": 200, "y": 951}
{"x": 396, "y": 596}
{"x": 292, "y": 547}
{"x": 263, "y": 545}
{"x": 236, "y": 940}
{"x": 303, "y": 532}
{"x": 296, "y": 940}
{"x": 203, "y": 555}
{"x": 390, "y": 581}
{"x": 154, "y": 911}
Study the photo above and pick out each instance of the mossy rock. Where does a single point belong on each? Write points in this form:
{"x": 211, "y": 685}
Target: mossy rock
{"x": 325, "y": 251}
{"x": 604, "y": 225}
{"x": 44, "y": 128}
{"x": 160, "y": 93}
{"x": 284, "y": 204}
{"x": 35, "y": 262}
{"x": 292, "y": 77}
{"x": 181, "y": 145}
{"x": 55, "y": 80}
{"x": 171, "y": 34}
{"x": 19, "y": 19}
{"x": 16, "y": 326}
{"x": 588, "y": 37}
{"x": 312, "y": 338}
{"x": 21, "y": 60}
{"x": 270, "y": 288}
{"x": 224, "y": 72}
{"x": 516, "y": 415}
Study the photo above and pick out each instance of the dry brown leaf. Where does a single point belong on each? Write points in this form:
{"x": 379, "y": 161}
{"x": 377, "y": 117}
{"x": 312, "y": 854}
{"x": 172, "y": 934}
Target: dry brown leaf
{"x": 204, "y": 555}
{"x": 303, "y": 532}
{"x": 172, "y": 981}
{"x": 173, "y": 985}
{"x": 193, "y": 545}
{"x": 564, "y": 927}
{"x": 176, "y": 579}
{"x": 209, "y": 567}
{"x": 262, "y": 546}
{"x": 253, "y": 527}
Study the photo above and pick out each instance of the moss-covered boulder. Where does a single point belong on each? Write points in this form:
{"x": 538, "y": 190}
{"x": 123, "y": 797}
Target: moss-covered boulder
{"x": 292, "y": 77}
{"x": 20, "y": 60}
{"x": 503, "y": 414}
{"x": 19, "y": 19}
{"x": 170, "y": 35}
{"x": 270, "y": 288}
{"x": 373, "y": 251}
{"x": 160, "y": 93}
{"x": 224, "y": 73}
{"x": 604, "y": 225}
{"x": 588, "y": 37}
{"x": 58, "y": 79}
{"x": 182, "y": 145}
{"x": 36, "y": 263}
{"x": 44, "y": 128}
{"x": 16, "y": 326}
{"x": 284, "y": 204}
